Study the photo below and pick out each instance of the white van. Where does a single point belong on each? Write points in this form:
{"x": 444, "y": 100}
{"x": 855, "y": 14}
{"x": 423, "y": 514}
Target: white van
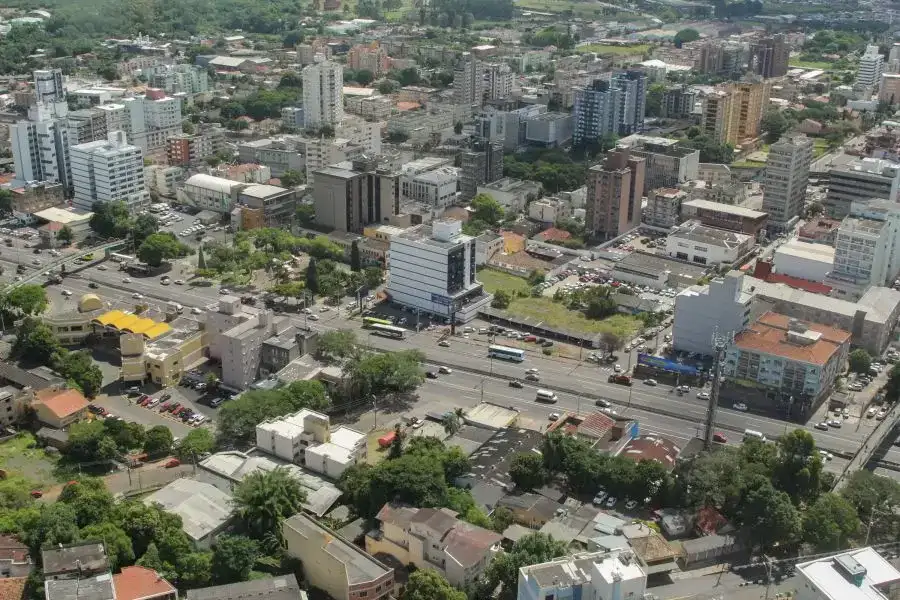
{"x": 546, "y": 396}
{"x": 754, "y": 434}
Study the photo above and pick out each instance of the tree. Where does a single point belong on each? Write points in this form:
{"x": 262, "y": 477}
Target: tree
{"x": 90, "y": 500}
{"x": 374, "y": 277}
{"x": 428, "y": 584}
{"x": 233, "y": 558}
{"x": 797, "y": 469}
{"x": 292, "y": 178}
{"x": 306, "y": 214}
{"x": 159, "y": 441}
{"x": 88, "y": 441}
{"x": 312, "y": 276}
{"x": 531, "y": 549}
{"x": 501, "y": 299}
{"x": 774, "y": 124}
{"x": 118, "y": 545}
{"x": 144, "y": 227}
{"x": 452, "y": 421}
{"x": 387, "y": 86}
{"x": 486, "y": 209}
{"x": 150, "y": 559}
{"x": 770, "y": 517}
{"x": 110, "y": 219}
{"x": 387, "y": 372}
{"x": 159, "y": 247}
{"x": 35, "y": 342}
{"x": 264, "y": 499}
{"x": 65, "y": 235}
{"x": 30, "y": 299}
{"x": 6, "y": 201}
{"x": 685, "y": 35}
{"x": 79, "y": 367}
{"x": 502, "y": 519}
{"x": 355, "y": 260}
{"x": 364, "y": 77}
{"x": 201, "y": 259}
{"x": 196, "y": 443}
{"x": 860, "y": 361}
{"x": 53, "y": 525}
{"x": 337, "y": 345}
{"x": 195, "y": 570}
{"x": 829, "y": 523}
{"x": 458, "y": 127}
{"x": 527, "y": 470}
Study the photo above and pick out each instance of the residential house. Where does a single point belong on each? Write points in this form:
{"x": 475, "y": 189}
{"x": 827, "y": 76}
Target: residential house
{"x": 530, "y": 509}
{"x": 14, "y": 559}
{"x": 283, "y": 587}
{"x": 205, "y": 510}
{"x": 60, "y": 408}
{"x": 141, "y": 583}
{"x": 434, "y": 539}
{"x": 74, "y": 561}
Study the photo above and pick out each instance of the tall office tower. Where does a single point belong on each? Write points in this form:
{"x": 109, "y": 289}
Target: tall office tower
{"x": 498, "y": 81}
{"x": 350, "y": 199}
{"x": 40, "y": 149}
{"x": 150, "y": 120}
{"x": 87, "y": 125}
{"x": 733, "y": 59}
{"x": 787, "y": 173}
{"x": 710, "y": 59}
{"x": 48, "y": 86}
{"x": 482, "y": 164}
{"x": 468, "y": 81}
{"x": 871, "y": 66}
{"x": 109, "y": 170}
{"x": 323, "y": 94}
{"x": 633, "y": 100}
{"x": 597, "y": 112}
{"x": 769, "y": 56}
{"x": 614, "y": 192}
{"x": 752, "y": 98}
{"x": 718, "y": 116}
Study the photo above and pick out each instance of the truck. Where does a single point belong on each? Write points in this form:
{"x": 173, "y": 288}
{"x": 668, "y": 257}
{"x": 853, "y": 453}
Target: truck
{"x": 619, "y": 379}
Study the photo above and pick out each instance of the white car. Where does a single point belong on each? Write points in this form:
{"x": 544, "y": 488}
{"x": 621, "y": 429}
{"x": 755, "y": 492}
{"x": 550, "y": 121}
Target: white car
{"x": 553, "y": 416}
{"x": 178, "y": 282}
{"x": 126, "y": 280}
{"x": 617, "y": 368}
{"x": 445, "y": 370}
{"x": 739, "y": 406}
{"x": 871, "y": 412}
{"x": 703, "y": 395}
{"x": 531, "y": 372}
{"x": 136, "y": 296}
{"x": 313, "y": 317}
{"x": 101, "y": 267}
{"x": 196, "y": 311}
{"x": 444, "y": 344}
{"x": 153, "y": 403}
{"x": 307, "y": 311}
{"x": 66, "y": 293}
{"x": 599, "y": 498}
{"x": 224, "y": 291}
{"x": 826, "y": 455}
{"x": 881, "y": 415}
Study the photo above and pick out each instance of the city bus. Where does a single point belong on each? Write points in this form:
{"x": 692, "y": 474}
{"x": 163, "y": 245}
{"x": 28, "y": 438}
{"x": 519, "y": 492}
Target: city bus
{"x": 388, "y": 330}
{"x": 369, "y": 321}
{"x": 120, "y": 258}
{"x": 505, "y": 353}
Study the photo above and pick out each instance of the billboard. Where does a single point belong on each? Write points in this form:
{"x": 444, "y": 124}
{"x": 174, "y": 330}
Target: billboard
{"x": 664, "y": 364}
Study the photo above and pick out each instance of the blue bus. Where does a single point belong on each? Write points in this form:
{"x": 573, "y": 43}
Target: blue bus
{"x": 506, "y": 353}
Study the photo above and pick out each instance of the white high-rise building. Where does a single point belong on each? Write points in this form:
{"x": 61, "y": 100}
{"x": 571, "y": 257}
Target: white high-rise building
{"x": 40, "y": 149}
{"x": 48, "y": 86}
{"x": 180, "y": 79}
{"x": 109, "y": 170}
{"x": 323, "y": 94}
{"x": 151, "y": 120}
{"x": 498, "y": 81}
{"x": 432, "y": 270}
{"x": 701, "y": 311}
{"x": 871, "y": 66}
{"x": 787, "y": 173}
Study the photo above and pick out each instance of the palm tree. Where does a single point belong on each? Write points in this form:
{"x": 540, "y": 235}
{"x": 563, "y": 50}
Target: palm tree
{"x": 453, "y": 421}
{"x": 264, "y": 499}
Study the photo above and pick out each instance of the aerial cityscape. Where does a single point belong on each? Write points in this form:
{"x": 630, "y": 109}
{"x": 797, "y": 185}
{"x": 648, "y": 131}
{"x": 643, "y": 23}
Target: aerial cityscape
{"x": 432, "y": 300}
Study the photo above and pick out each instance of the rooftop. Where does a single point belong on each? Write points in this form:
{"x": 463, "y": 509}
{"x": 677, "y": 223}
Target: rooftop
{"x": 577, "y": 570}
{"x": 135, "y": 583}
{"x": 283, "y": 587}
{"x": 856, "y": 575}
{"x": 782, "y": 336}
{"x": 807, "y": 250}
{"x": 62, "y": 403}
{"x": 99, "y": 587}
{"x": 694, "y": 231}
{"x": 88, "y": 556}
{"x": 202, "y": 507}
{"x": 63, "y": 215}
{"x": 652, "y": 447}
{"x": 654, "y": 265}
{"x": 725, "y": 208}
{"x": 261, "y": 190}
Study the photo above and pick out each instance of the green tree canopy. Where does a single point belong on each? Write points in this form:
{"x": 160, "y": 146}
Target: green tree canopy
{"x": 531, "y": 549}
{"x": 159, "y": 441}
{"x": 428, "y": 584}
{"x": 238, "y": 419}
{"x": 65, "y": 235}
{"x": 160, "y": 247}
{"x": 829, "y": 523}
{"x": 264, "y": 499}
{"x": 686, "y": 35}
{"x": 486, "y": 209}
{"x": 233, "y": 558}
{"x": 527, "y": 470}
{"x": 860, "y": 361}
{"x": 196, "y": 443}
{"x": 30, "y": 298}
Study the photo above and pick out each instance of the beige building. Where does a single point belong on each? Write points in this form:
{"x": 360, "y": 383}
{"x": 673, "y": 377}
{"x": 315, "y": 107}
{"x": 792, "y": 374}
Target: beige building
{"x": 734, "y": 113}
{"x": 614, "y": 192}
{"x": 890, "y": 88}
{"x": 59, "y": 408}
{"x": 334, "y": 565}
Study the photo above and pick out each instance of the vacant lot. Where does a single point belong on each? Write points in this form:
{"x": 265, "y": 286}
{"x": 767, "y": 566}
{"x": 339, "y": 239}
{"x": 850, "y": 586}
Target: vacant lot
{"x": 545, "y": 310}
{"x": 810, "y": 64}
{"x": 494, "y": 280}
{"x": 21, "y": 456}
{"x": 613, "y": 50}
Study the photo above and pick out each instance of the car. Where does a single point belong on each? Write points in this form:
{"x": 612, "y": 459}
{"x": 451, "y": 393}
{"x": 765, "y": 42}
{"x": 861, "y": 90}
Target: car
{"x": 215, "y": 403}
{"x": 530, "y": 338}
{"x": 126, "y": 280}
{"x": 93, "y": 285}
{"x": 684, "y": 388}
{"x": 871, "y": 412}
{"x": 165, "y": 281}
{"x": 739, "y": 406}
{"x": 324, "y": 309}
{"x": 845, "y": 413}
{"x": 599, "y": 498}
{"x": 881, "y": 415}
{"x": 720, "y": 438}
{"x": 553, "y": 416}
{"x": 172, "y": 463}
{"x": 313, "y": 317}
{"x": 102, "y": 267}
{"x": 196, "y": 311}
{"x": 178, "y": 282}
{"x": 532, "y": 371}
{"x": 515, "y": 383}
{"x": 431, "y": 375}
{"x": 175, "y": 408}
{"x": 66, "y": 293}
{"x": 224, "y": 291}
{"x": 603, "y": 403}
{"x": 835, "y": 423}
{"x": 153, "y": 402}
{"x": 445, "y": 370}
{"x": 826, "y": 455}
{"x": 532, "y": 377}
{"x": 650, "y": 382}
{"x": 547, "y": 344}
{"x": 197, "y": 419}
{"x": 611, "y": 501}
{"x": 703, "y": 395}
{"x": 617, "y": 368}
{"x": 164, "y": 407}
{"x": 137, "y": 296}
{"x": 823, "y": 426}
{"x": 444, "y": 344}
{"x": 631, "y": 505}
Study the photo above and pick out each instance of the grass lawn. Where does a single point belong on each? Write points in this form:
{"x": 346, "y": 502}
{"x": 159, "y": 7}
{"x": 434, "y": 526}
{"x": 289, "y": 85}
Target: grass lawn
{"x": 556, "y": 315}
{"x": 748, "y": 164}
{"x": 820, "y": 147}
{"x": 17, "y": 458}
{"x": 613, "y": 50}
{"x": 494, "y": 280}
{"x": 810, "y": 64}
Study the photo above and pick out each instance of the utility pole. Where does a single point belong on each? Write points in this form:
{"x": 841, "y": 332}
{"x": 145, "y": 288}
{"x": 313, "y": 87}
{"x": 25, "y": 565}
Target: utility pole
{"x": 719, "y": 343}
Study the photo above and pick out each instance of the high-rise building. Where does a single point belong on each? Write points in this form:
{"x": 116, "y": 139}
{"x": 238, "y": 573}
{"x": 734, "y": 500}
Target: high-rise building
{"x": 633, "y": 100}
{"x": 787, "y": 173}
{"x": 371, "y": 58}
{"x": 769, "y": 56}
{"x": 861, "y": 180}
{"x": 432, "y": 270}
{"x": 87, "y": 125}
{"x": 350, "y": 199}
{"x": 323, "y": 94}
{"x": 150, "y": 120}
{"x": 597, "y": 112}
{"x": 482, "y": 164}
{"x": 498, "y": 81}
{"x": 709, "y": 60}
{"x": 109, "y": 171}
{"x": 678, "y": 102}
{"x": 180, "y": 79}
{"x": 668, "y": 163}
{"x": 614, "y": 192}
{"x": 734, "y": 113}
{"x": 48, "y": 86}
{"x": 718, "y": 116}
{"x": 40, "y": 150}
{"x": 468, "y": 81}
{"x": 871, "y": 66}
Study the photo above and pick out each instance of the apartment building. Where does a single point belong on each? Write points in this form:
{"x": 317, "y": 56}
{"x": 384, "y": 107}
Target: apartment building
{"x": 664, "y": 207}
{"x": 433, "y": 538}
{"x": 717, "y": 120}
{"x": 40, "y": 150}
{"x": 481, "y": 164}
{"x": 319, "y": 153}
{"x": 150, "y": 120}
{"x": 87, "y": 125}
{"x": 509, "y": 128}
{"x": 865, "y": 251}
{"x": 694, "y": 242}
{"x": 370, "y": 57}
{"x": 786, "y": 176}
{"x": 266, "y": 206}
{"x": 282, "y": 154}
{"x": 109, "y": 171}
{"x": 468, "y": 81}
{"x": 734, "y": 113}
{"x": 633, "y": 99}
{"x": 334, "y": 565}
{"x": 498, "y": 81}
{"x": 859, "y": 574}
{"x": 348, "y": 199}
{"x": 437, "y": 188}
{"x": 721, "y": 307}
{"x": 323, "y": 94}
{"x": 607, "y": 574}
{"x": 512, "y": 194}
{"x": 597, "y": 111}
{"x": 788, "y": 357}
{"x": 371, "y": 108}
{"x": 871, "y": 66}
{"x": 432, "y": 270}
{"x": 752, "y": 100}
{"x": 163, "y": 180}
{"x": 666, "y": 163}
{"x": 860, "y": 181}
{"x": 49, "y": 87}
{"x": 769, "y": 56}
{"x": 361, "y": 133}
{"x": 614, "y": 192}
{"x": 180, "y": 79}
{"x": 678, "y": 102}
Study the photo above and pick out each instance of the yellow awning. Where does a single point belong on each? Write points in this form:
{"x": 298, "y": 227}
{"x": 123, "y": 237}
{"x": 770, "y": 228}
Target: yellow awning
{"x": 109, "y": 317}
{"x": 130, "y": 323}
{"x": 157, "y": 330}
{"x": 125, "y": 322}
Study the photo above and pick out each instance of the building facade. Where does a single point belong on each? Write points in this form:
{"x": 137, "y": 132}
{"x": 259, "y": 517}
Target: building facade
{"x": 702, "y": 245}
{"x": 667, "y": 164}
{"x": 664, "y": 207}
{"x": 614, "y": 574}
{"x": 597, "y": 112}
{"x": 721, "y": 307}
{"x": 350, "y": 199}
{"x": 769, "y": 56}
{"x": 871, "y": 66}
{"x": 787, "y": 173}
{"x": 481, "y": 164}
{"x": 109, "y": 171}
{"x": 861, "y": 181}
{"x": 323, "y": 94}
{"x": 614, "y": 191}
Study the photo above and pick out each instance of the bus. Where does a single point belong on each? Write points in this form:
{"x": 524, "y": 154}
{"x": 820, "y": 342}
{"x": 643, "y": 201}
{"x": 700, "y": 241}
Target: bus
{"x": 138, "y": 267}
{"x": 506, "y": 353}
{"x": 120, "y": 258}
{"x": 388, "y": 330}
{"x": 369, "y": 321}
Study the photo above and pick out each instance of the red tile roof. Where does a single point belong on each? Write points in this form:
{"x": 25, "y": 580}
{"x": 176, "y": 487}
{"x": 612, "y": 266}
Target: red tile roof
{"x": 769, "y": 336}
{"x": 554, "y": 234}
{"x": 709, "y": 520}
{"x": 62, "y": 403}
{"x": 12, "y": 588}
{"x": 800, "y": 284}
{"x": 652, "y": 447}
{"x": 136, "y": 583}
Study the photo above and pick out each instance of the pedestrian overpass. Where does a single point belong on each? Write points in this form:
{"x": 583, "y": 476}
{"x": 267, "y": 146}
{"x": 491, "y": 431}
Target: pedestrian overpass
{"x": 874, "y": 441}
{"x": 61, "y": 261}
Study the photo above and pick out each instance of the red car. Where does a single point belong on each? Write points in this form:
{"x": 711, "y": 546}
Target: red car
{"x": 164, "y": 407}
{"x": 36, "y": 493}
{"x": 175, "y": 408}
{"x": 530, "y": 338}
{"x": 720, "y": 437}
{"x": 172, "y": 463}
{"x": 145, "y": 400}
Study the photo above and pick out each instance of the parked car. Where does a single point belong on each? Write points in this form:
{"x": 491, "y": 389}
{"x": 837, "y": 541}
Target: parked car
{"x": 823, "y": 426}
{"x": 172, "y": 463}
{"x": 720, "y": 437}
{"x": 739, "y": 406}
{"x": 650, "y": 382}
{"x": 431, "y": 375}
